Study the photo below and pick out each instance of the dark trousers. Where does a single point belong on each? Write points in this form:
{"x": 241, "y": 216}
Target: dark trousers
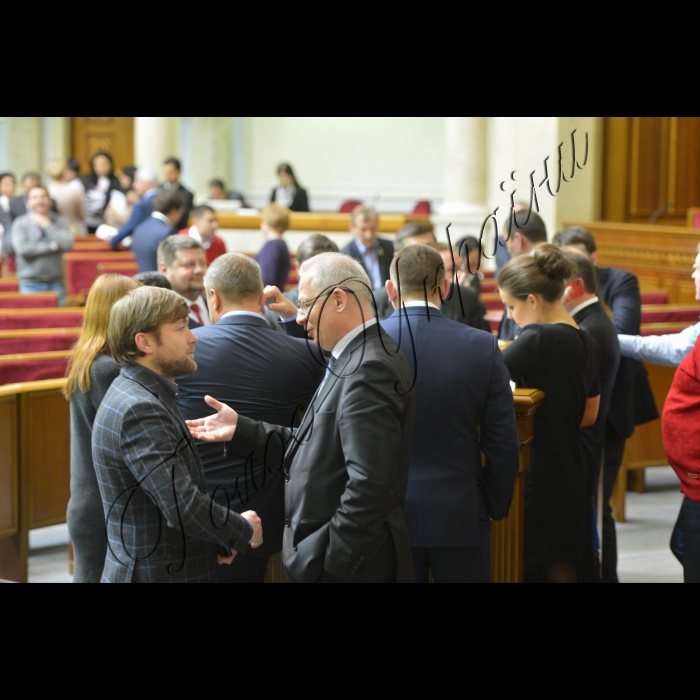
{"x": 614, "y": 455}
{"x": 689, "y": 550}
{"x": 456, "y": 565}
{"x": 253, "y": 571}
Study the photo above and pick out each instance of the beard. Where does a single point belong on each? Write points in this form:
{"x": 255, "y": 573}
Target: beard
{"x": 176, "y": 367}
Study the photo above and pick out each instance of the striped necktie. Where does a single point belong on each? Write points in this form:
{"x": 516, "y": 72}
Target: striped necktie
{"x": 331, "y": 364}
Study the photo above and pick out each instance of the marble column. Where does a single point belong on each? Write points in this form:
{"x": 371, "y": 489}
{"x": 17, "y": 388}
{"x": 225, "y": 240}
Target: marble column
{"x": 155, "y": 141}
{"x": 466, "y": 144}
{"x": 24, "y": 145}
{"x": 211, "y": 153}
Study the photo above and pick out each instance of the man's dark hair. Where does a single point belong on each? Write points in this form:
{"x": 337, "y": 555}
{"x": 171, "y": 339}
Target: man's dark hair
{"x": 153, "y": 279}
{"x": 8, "y": 174}
{"x": 412, "y": 230}
{"x": 466, "y": 246}
{"x": 33, "y": 175}
{"x": 73, "y": 164}
{"x": 199, "y": 212}
{"x": 535, "y": 230}
{"x": 167, "y": 250}
{"x": 316, "y": 245}
{"x": 168, "y": 200}
{"x": 418, "y": 269}
{"x": 175, "y": 162}
{"x": 576, "y": 235}
{"x": 585, "y": 269}
{"x": 217, "y": 183}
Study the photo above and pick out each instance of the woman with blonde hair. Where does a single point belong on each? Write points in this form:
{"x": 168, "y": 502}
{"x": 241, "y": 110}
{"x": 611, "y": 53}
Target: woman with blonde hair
{"x": 90, "y": 375}
{"x": 69, "y": 200}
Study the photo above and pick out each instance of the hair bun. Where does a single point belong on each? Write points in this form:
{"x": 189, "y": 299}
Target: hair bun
{"x": 553, "y": 262}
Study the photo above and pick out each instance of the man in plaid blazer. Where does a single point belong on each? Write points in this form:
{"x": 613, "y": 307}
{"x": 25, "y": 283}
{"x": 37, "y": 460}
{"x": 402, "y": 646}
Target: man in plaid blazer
{"x": 161, "y": 525}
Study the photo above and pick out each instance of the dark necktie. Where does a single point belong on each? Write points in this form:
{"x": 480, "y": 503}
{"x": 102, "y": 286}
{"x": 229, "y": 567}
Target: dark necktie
{"x": 195, "y": 308}
{"x": 331, "y": 364}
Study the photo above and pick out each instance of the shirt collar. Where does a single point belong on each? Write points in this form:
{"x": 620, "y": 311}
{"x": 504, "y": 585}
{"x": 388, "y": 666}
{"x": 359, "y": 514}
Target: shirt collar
{"x": 363, "y": 248}
{"x": 172, "y": 389}
{"x": 160, "y": 217}
{"x": 194, "y": 233}
{"x": 414, "y": 304}
{"x": 582, "y": 307}
{"x": 340, "y": 348}
{"x": 240, "y": 313}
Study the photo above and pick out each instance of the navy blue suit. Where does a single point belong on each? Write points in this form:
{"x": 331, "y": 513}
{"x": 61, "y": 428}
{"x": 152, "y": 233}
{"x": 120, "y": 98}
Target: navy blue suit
{"x": 142, "y": 211}
{"x": 147, "y": 237}
{"x": 461, "y": 384}
{"x": 265, "y": 376}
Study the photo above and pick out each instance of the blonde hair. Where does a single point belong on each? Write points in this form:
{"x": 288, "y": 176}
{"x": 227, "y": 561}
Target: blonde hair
{"x": 93, "y": 340}
{"x": 55, "y": 168}
{"x": 277, "y": 218}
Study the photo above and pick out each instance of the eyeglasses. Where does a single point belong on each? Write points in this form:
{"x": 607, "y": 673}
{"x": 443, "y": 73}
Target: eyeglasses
{"x": 306, "y": 306}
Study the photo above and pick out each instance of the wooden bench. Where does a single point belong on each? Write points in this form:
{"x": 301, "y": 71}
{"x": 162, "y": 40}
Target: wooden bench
{"x": 81, "y": 270}
{"x": 49, "y": 340}
{"x": 33, "y": 367}
{"x": 35, "y": 319}
{"x": 34, "y": 468}
{"x": 15, "y": 300}
{"x": 671, "y": 313}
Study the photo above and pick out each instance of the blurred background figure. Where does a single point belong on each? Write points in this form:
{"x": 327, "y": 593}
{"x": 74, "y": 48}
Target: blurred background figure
{"x": 275, "y": 259}
{"x": 7, "y": 193}
{"x": 205, "y": 224}
{"x": 310, "y": 248}
{"x": 99, "y": 185}
{"x": 126, "y": 179}
{"x": 468, "y": 257}
{"x": 71, "y": 176}
{"x": 154, "y": 279}
{"x": 69, "y": 200}
{"x": 218, "y": 191}
{"x": 172, "y": 170}
{"x": 290, "y": 193}
{"x": 18, "y": 205}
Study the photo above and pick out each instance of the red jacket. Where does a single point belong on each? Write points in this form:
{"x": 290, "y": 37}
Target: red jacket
{"x": 216, "y": 250}
{"x": 681, "y": 425}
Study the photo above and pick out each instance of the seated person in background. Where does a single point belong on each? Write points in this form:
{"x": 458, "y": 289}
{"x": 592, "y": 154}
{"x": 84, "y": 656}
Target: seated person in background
{"x": 451, "y": 500}
{"x": 69, "y": 200}
{"x": 184, "y": 262}
{"x": 167, "y": 212}
{"x": 310, "y": 248}
{"x": 662, "y": 350}
{"x": 274, "y": 259}
{"x": 172, "y": 170}
{"x": 373, "y": 253}
{"x": 145, "y": 186}
{"x": 39, "y": 239}
{"x": 290, "y": 194}
{"x": 218, "y": 192}
{"x": 473, "y": 312}
{"x": 203, "y": 230}
{"x": 262, "y": 375}
{"x": 468, "y": 257}
{"x": 154, "y": 279}
{"x": 126, "y": 179}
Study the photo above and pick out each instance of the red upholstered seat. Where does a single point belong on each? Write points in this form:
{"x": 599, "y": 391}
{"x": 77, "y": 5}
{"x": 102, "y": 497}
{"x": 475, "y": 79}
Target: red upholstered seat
{"x": 495, "y": 318}
{"x": 663, "y": 329}
{"x": 59, "y": 340}
{"x": 670, "y": 314}
{"x": 423, "y": 208}
{"x": 29, "y": 319}
{"x": 489, "y": 286}
{"x": 654, "y": 298}
{"x": 9, "y": 284}
{"x": 126, "y": 269}
{"x": 14, "y": 300}
{"x": 490, "y": 275}
{"x": 81, "y": 269}
{"x": 19, "y": 369}
{"x": 350, "y": 206}
{"x": 492, "y": 302}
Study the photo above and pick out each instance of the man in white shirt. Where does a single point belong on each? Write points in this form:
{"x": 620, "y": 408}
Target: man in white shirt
{"x": 184, "y": 262}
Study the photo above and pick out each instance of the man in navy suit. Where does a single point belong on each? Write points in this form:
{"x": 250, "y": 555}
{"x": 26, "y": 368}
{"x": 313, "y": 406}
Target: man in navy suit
{"x": 145, "y": 184}
{"x": 264, "y": 375}
{"x": 632, "y": 401}
{"x": 167, "y": 210}
{"x": 461, "y": 385}
{"x": 373, "y": 253}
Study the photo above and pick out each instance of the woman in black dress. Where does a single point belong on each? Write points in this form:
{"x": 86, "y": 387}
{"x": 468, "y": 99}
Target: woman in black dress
{"x": 99, "y": 185}
{"x": 554, "y": 355}
{"x": 290, "y": 193}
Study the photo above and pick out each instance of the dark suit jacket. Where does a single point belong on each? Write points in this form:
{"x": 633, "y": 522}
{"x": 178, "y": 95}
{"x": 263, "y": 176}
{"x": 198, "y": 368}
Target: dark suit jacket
{"x": 6, "y": 223}
{"x": 18, "y": 207}
{"x": 147, "y": 237}
{"x": 161, "y": 525}
{"x": 300, "y": 203}
{"x": 142, "y": 211}
{"x": 196, "y": 324}
{"x": 265, "y": 376}
{"x": 633, "y": 400}
{"x": 462, "y": 384}
{"x": 474, "y": 310}
{"x": 189, "y": 205}
{"x": 347, "y": 469}
{"x": 386, "y": 255}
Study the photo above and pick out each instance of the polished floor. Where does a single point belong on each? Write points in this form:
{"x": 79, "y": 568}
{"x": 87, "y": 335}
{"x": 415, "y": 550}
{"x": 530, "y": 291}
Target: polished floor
{"x": 644, "y": 540}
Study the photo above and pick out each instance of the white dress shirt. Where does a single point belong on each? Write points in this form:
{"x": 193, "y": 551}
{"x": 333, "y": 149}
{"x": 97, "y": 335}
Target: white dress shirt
{"x": 585, "y": 305}
{"x": 161, "y": 217}
{"x": 662, "y": 350}
{"x": 204, "y": 313}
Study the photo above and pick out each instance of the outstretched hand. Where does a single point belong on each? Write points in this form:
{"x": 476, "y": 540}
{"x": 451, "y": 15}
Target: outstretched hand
{"x": 277, "y": 302}
{"x": 218, "y": 428}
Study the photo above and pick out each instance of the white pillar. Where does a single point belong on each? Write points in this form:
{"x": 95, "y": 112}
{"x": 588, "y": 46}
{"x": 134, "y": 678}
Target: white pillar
{"x": 155, "y": 141}
{"x": 23, "y": 146}
{"x": 211, "y": 153}
{"x": 466, "y": 144}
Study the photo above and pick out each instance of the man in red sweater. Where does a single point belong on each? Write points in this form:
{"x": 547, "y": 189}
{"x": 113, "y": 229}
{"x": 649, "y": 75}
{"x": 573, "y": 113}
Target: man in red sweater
{"x": 204, "y": 228}
{"x": 681, "y": 431}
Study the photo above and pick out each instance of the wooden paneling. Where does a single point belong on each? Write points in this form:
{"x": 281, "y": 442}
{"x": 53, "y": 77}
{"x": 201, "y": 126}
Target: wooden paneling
{"x": 651, "y": 162}
{"x": 115, "y": 135}
{"x": 9, "y": 468}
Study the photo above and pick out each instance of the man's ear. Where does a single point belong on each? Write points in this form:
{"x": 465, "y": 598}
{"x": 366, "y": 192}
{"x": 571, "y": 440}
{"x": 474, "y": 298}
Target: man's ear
{"x": 214, "y": 300}
{"x": 145, "y": 343}
{"x": 163, "y": 268}
{"x": 446, "y": 286}
{"x": 594, "y": 258}
{"x": 577, "y": 289}
{"x": 392, "y": 292}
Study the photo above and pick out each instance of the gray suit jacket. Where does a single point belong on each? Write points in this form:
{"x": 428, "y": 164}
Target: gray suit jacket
{"x": 346, "y": 469}
{"x": 161, "y": 525}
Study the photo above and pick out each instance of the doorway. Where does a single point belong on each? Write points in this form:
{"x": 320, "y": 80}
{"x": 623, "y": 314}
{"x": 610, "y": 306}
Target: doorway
{"x": 115, "y": 135}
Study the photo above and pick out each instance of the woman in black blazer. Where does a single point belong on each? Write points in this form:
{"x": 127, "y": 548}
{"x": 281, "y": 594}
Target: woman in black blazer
{"x": 99, "y": 185}
{"x": 290, "y": 194}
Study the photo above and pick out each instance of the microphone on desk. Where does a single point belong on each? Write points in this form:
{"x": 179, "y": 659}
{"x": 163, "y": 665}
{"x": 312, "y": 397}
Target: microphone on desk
{"x": 658, "y": 214}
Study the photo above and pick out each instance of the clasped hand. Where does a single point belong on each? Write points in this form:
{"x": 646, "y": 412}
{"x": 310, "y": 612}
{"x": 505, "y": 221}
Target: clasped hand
{"x": 277, "y": 302}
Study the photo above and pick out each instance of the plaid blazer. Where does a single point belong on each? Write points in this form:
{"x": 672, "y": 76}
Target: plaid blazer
{"x": 161, "y": 525}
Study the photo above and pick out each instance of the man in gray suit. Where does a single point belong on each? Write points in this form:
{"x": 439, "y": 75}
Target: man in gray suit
{"x": 161, "y": 525}
{"x": 346, "y": 467}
